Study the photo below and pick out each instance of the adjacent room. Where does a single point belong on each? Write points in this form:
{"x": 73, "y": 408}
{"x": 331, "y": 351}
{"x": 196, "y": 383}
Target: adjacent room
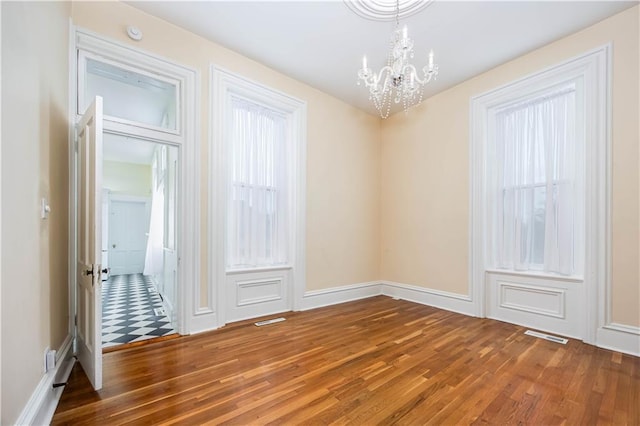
{"x": 355, "y": 212}
{"x": 138, "y": 240}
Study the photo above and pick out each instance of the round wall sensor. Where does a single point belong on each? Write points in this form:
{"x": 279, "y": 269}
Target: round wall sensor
{"x": 134, "y": 33}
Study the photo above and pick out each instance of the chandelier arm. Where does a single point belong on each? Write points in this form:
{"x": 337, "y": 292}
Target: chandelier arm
{"x": 413, "y": 71}
{"x": 376, "y": 78}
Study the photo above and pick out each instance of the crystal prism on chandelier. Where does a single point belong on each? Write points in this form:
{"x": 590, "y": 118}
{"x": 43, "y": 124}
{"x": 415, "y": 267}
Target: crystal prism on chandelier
{"x": 398, "y": 81}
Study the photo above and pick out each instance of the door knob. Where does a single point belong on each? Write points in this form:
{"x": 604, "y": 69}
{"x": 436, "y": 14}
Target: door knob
{"x": 113, "y": 245}
{"x": 105, "y": 271}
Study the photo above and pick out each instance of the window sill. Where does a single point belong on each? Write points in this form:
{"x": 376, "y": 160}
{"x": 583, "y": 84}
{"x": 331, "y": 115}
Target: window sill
{"x": 534, "y": 274}
{"x": 258, "y": 269}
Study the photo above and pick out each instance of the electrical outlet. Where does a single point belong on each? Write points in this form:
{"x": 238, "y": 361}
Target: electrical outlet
{"x": 49, "y": 359}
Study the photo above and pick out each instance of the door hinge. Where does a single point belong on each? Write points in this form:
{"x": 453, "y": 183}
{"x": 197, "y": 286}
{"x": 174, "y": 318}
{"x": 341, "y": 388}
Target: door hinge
{"x": 75, "y": 144}
{"x": 75, "y": 320}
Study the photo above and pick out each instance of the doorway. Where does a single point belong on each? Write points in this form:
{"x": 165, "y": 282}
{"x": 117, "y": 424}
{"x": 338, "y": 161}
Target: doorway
{"x": 138, "y": 240}
{"x": 121, "y": 90}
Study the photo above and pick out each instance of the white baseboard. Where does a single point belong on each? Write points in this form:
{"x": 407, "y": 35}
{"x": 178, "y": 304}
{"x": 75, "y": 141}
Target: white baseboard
{"x": 439, "y": 299}
{"x": 44, "y": 400}
{"x": 454, "y": 302}
{"x": 620, "y": 338}
{"x": 335, "y": 295}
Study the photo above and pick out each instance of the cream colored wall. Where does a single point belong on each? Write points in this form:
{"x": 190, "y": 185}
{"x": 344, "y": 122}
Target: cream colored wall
{"x": 342, "y": 144}
{"x": 343, "y": 197}
{"x": 425, "y": 171}
{"x": 34, "y": 164}
{"x": 127, "y": 178}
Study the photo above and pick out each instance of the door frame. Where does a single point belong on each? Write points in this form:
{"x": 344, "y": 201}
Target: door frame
{"x": 594, "y": 67}
{"x": 187, "y": 142}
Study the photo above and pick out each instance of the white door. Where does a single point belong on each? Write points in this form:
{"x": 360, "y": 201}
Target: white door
{"x": 89, "y": 233}
{"x": 128, "y": 228}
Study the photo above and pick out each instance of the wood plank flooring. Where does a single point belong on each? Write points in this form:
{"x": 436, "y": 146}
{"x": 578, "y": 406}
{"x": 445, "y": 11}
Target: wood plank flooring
{"x": 374, "y": 361}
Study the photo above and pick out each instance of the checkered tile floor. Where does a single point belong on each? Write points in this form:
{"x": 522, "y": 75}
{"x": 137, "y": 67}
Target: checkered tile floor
{"x": 130, "y": 313}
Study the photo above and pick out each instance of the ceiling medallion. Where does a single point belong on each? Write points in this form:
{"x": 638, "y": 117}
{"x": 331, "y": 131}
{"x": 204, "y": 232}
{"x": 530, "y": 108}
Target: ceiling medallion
{"x": 398, "y": 81}
{"x": 386, "y": 10}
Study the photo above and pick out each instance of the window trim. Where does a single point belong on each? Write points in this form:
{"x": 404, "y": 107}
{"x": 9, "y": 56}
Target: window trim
{"x": 224, "y": 86}
{"x": 593, "y": 69}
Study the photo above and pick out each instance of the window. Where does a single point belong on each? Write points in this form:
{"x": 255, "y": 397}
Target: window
{"x": 535, "y": 193}
{"x": 257, "y": 195}
{"x": 130, "y": 95}
{"x": 573, "y": 261}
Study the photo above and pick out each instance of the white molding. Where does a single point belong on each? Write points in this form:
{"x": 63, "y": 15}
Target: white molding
{"x": 44, "y": 399}
{"x": 1, "y": 214}
{"x": 1, "y": 363}
{"x": 594, "y": 69}
{"x": 277, "y": 282}
{"x": 224, "y": 84}
{"x": 202, "y": 321}
{"x": 335, "y": 295}
{"x": 560, "y": 294}
{"x": 454, "y": 302}
{"x": 216, "y": 240}
{"x": 71, "y": 246}
{"x": 620, "y": 338}
{"x": 598, "y": 299}
{"x": 460, "y": 303}
{"x": 537, "y": 275}
{"x": 272, "y": 294}
{"x": 256, "y": 270}
{"x": 555, "y": 306}
{"x": 188, "y": 141}
{"x": 189, "y": 284}
{"x": 299, "y": 214}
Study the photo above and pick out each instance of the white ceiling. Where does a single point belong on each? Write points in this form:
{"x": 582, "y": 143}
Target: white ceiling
{"x": 322, "y": 42}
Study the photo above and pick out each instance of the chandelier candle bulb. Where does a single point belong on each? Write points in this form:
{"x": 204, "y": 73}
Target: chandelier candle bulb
{"x": 431, "y": 60}
{"x": 404, "y": 33}
{"x": 364, "y": 62}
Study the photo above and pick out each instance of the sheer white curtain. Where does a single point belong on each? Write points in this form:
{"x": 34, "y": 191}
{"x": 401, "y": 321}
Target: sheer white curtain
{"x": 535, "y": 184}
{"x": 154, "y": 259}
{"x": 257, "y": 193}
{"x": 153, "y": 262}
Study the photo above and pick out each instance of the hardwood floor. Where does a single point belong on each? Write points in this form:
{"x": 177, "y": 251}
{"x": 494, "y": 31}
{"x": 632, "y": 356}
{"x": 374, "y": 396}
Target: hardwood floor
{"x": 374, "y": 361}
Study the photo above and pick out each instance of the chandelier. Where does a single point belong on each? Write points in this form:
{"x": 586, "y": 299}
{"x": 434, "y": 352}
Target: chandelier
{"x": 399, "y": 81}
